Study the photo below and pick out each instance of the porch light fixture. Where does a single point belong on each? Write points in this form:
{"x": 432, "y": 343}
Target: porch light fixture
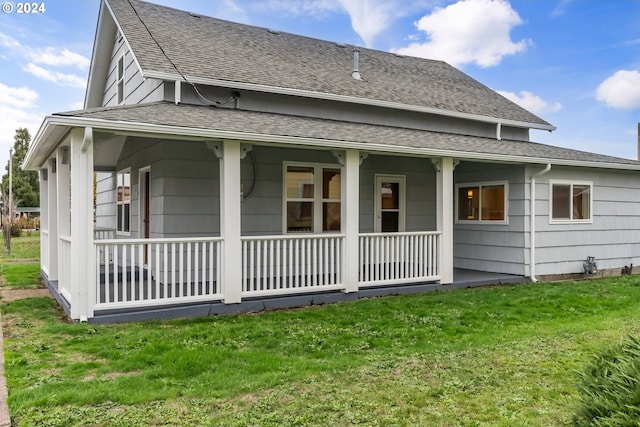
{"x": 52, "y": 165}
{"x": 64, "y": 154}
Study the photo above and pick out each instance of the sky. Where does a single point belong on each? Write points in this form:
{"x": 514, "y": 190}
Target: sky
{"x": 575, "y": 63}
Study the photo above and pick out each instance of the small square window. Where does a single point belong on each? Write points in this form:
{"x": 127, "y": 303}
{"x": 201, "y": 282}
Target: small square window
{"x": 571, "y": 201}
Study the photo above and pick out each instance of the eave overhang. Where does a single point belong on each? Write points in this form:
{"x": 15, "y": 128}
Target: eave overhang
{"x": 54, "y": 128}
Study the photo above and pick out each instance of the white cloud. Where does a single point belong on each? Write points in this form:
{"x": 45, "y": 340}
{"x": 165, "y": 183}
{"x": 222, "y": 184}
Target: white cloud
{"x": 58, "y": 58}
{"x": 531, "y": 102}
{"x": 469, "y": 31}
{"x": 621, "y": 90}
{"x": 369, "y": 18}
{"x": 296, "y": 7}
{"x": 560, "y": 8}
{"x": 55, "y": 77}
{"x": 18, "y": 97}
{"x": 18, "y": 109}
{"x": 46, "y": 55}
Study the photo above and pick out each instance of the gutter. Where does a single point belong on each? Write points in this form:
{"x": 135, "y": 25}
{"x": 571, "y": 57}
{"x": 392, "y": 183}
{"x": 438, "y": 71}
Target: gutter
{"x": 532, "y": 228}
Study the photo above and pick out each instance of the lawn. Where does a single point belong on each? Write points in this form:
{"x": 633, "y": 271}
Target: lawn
{"x": 22, "y": 248}
{"x": 21, "y": 269}
{"x": 500, "y": 356}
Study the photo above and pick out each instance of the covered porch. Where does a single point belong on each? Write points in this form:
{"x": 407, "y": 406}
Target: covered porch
{"x": 237, "y": 263}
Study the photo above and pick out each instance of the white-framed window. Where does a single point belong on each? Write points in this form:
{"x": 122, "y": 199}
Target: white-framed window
{"x": 123, "y": 202}
{"x": 571, "y": 201}
{"x": 120, "y": 80}
{"x": 483, "y": 202}
{"x": 389, "y": 205}
{"x": 312, "y": 198}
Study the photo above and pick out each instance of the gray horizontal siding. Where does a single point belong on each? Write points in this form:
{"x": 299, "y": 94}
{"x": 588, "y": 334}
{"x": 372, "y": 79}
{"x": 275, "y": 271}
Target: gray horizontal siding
{"x": 488, "y": 247}
{"x": 105, "y": 215}
{"x": 136, "y": 88}
{"x": 613, "y": 237}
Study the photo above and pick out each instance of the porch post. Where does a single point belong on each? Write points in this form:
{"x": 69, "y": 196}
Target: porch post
{"x": 44, "y": 220}
{"x": 444, "y": 202}
{"x": 350, "y": 214}
{"x": 82, "y": 249}
{"x": 64, "y": 219}
{"x": 230, "y": 212}
{"x": 52, "y": 212}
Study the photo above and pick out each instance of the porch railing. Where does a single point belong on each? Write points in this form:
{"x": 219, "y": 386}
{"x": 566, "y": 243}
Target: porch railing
{"x": 44, "y": 250}
{"x": 277, "y": 265}
{"x": 144, "y": 272}
{"x": 64, "y": 272}
{"x": 395, "y": 258}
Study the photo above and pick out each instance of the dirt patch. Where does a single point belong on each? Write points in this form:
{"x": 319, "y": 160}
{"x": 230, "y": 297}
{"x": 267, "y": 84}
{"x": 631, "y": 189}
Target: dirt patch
{"x": 8, "y": 295}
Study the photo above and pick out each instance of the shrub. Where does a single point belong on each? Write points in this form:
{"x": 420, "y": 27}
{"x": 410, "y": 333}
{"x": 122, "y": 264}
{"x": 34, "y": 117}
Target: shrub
{"x": 16, "y": 230}
{"x": 609, "y": 388}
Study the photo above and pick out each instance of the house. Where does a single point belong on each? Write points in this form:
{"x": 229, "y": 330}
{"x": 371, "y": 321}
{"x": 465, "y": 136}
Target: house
{"x": 238, "y": 168}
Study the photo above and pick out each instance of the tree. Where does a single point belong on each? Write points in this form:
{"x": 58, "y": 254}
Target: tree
{"x": 26, "y": 186}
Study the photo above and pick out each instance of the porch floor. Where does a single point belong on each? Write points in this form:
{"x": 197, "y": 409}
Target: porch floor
{"x": 470, "y": 278}
{"x": 462, "y": 278}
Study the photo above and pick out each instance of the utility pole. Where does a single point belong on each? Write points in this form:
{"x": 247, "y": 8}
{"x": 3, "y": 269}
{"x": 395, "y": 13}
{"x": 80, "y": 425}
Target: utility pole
{"x": 10, "y": 200}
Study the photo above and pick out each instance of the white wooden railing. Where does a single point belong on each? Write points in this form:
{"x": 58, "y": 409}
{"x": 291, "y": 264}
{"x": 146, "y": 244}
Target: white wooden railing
{"x": 278, "y": 265}
{"x": 396, "y": 258}
{"x": 44, "y": 250}
{"x": 102, "y": 233}
{"x": 144, "y": 272}
{"x": 64, "y": 272}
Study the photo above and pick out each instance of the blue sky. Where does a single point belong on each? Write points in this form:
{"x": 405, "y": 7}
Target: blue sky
{"x": 575, "y": 63}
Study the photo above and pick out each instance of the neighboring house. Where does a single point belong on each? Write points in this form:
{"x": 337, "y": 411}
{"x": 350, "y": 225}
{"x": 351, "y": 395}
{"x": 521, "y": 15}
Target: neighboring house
{"x": 238, "y": 168}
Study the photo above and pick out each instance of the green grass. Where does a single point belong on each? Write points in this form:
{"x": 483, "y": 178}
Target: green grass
{"x": 24, "y": 247}
{"x": 502, "y": 356}
{"x": 20, "y": 275}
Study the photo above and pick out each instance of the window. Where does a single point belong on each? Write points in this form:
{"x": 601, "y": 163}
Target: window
{"x": 482, "y": 202}
{"x": 312, "y": 198}
{"x": 571, "y": 201}
{"x": 120, "y": 80}
{"x": 123, "y": 201}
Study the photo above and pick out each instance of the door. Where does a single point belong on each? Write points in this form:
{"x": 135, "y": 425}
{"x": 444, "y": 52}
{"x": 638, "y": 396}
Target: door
{"x": 145, "y": 187}
{"x": 389, "y": 203}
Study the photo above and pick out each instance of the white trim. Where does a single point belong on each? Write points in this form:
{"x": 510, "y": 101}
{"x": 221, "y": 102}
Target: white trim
{"x": 481, "y": 184}
{"x": 379, "y": 178}
{"x": 344, "y": 98}
{"x": 177, "y": 132}
{"x": 570, "y": 183}
{"x": 318, "y": 200}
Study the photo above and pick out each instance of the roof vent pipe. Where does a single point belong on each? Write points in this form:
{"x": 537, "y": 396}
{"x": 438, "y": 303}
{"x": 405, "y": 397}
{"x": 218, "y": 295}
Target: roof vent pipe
{"x": 356, "y": 64}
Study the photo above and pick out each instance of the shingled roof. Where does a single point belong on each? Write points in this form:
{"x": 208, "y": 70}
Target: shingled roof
{"x": 201, "y": 47}
{"x": 269, "y": 127}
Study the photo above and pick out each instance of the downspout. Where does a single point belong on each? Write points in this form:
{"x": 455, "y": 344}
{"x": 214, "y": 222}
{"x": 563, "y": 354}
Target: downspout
{"x": 532, "y": 228}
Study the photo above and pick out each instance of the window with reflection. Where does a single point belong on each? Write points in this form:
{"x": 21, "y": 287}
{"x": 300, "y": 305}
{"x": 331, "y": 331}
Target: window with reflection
{"x": 123, "y": 201}
{"x": 570, "y": 201}
{"x": 312, "y": 199}
{"x": 482, "y": 202}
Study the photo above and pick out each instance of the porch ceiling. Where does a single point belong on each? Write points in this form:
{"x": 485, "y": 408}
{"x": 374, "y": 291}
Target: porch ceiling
{"x": 201, "y": 122}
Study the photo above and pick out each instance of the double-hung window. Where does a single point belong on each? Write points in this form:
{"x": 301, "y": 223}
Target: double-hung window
{"x": 123, "y": 201}
{"x": 482, "y": 202}
{"x": 571, "y": 201}
{"x": 312, "y": 199}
